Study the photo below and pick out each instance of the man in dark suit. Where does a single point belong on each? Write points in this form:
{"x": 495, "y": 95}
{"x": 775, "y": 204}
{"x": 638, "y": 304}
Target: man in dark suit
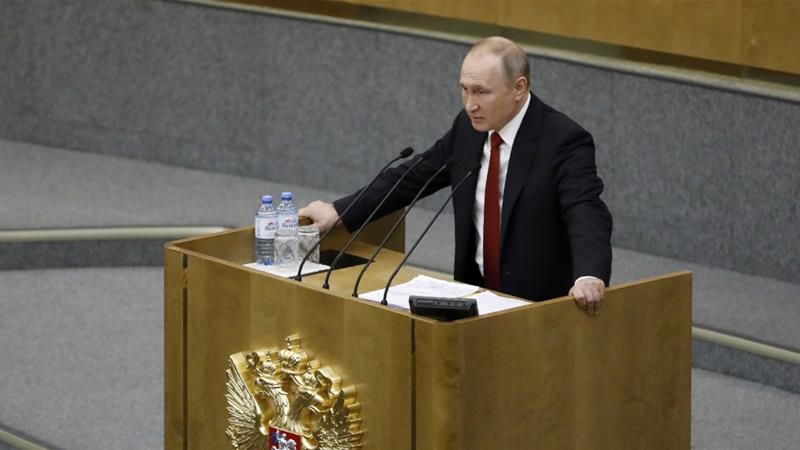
{"x": 531, "y": 223}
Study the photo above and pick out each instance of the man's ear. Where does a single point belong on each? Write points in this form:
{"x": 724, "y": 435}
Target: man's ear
{"x": 520, "y": 87}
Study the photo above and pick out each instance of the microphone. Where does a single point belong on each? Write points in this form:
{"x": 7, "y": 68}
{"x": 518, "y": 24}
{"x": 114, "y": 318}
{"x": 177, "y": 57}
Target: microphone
{"x": 474, "y": 169}
{"x": 353, "y": 237}
{"x": 397, "y": 224}
{"x": 403, "y": 154}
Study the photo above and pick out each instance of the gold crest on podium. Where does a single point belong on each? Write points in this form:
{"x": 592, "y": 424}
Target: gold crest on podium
{"x": 284, "y": 400}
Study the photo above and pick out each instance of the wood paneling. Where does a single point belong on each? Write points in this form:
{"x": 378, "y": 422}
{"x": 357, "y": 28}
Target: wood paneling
{"x": 771, "y": 34}
{"x": 551, "y": 16}
{"x": 616, "y": 22}
{"x": 219, "y": 303}
{"x": 229, "y": 309}
{"x": 233, "y": 310}
{"x": 173, "y": 349}
{"x": 756, "y": 33}
{"x": 484, "y": 11}
{"x": 707, "y": 29}
{"x": 540, "y": 377}
{"x": 551, "y": 377}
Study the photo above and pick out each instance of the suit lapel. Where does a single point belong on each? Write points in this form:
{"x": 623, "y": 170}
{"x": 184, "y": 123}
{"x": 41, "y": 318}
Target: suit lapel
{"x": 519, "y": 166}
{"x": 470, "y": 154}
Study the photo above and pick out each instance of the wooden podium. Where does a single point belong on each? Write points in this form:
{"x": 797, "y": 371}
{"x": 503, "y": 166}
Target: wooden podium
{"x": 543, "y": 376}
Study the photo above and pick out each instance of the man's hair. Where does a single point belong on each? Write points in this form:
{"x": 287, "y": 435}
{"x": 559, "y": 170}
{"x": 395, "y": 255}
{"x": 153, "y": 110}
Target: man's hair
{"x": 512, "y": 57}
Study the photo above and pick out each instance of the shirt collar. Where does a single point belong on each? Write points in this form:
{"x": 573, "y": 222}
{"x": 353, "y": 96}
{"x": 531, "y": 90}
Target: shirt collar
{"x": 509, "y": 132}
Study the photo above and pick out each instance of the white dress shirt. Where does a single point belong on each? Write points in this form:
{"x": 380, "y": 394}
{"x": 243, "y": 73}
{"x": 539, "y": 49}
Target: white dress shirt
{"x": 508, "y": 133}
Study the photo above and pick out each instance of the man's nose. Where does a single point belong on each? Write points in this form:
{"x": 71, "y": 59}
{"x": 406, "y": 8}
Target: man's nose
{"x": 471, "y": 105}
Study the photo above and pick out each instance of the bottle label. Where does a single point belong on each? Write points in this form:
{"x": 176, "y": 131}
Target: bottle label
{"x": 265, "y": 227}
{"x": 288, "y": 222}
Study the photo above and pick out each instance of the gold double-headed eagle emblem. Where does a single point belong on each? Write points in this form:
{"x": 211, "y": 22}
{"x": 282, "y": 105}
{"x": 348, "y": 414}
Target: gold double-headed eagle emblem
{"x": 284, "y": 400}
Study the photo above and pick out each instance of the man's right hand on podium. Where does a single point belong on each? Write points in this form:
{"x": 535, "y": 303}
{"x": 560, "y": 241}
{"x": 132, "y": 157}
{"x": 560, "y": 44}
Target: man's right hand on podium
{"x": 323, "y": 214}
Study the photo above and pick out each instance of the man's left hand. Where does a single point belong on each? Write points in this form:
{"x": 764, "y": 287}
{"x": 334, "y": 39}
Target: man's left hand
{"x": 588, "y": 294}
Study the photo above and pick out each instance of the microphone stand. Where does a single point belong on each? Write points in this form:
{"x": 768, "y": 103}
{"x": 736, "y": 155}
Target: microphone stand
{"x": 403, "y": 154}
{"x": 396, "y": 225}
{"x": 424, "y": 232}
{"x": 353, "y": 237}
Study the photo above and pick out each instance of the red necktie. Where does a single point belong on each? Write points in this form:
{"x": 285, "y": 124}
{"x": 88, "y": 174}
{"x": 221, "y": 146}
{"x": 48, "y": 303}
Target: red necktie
{"x": 491, "y": 218}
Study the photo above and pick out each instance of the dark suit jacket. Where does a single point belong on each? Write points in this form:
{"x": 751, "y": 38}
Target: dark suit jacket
{"x": 554, "y": 227}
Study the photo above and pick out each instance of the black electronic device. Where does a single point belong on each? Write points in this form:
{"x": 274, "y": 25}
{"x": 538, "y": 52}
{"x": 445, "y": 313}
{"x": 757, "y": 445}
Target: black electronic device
{"x": 445, "y": 309}
{"x": 347, "y": 260}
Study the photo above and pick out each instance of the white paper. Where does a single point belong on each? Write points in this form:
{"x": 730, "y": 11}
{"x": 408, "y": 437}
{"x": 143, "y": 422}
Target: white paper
{"x": 289, "y": 270}
{"x": 489, "y": 302}
{"x": 422, "y": 285}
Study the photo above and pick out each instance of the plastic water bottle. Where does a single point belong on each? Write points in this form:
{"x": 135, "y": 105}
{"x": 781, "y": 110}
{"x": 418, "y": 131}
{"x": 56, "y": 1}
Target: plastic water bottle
{"x": 266, "y": 224}
{"x": 286, "y": 234}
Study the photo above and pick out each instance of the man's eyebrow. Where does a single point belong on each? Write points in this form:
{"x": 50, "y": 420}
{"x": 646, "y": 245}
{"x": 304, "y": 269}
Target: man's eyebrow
{"x": 474, "y": 86}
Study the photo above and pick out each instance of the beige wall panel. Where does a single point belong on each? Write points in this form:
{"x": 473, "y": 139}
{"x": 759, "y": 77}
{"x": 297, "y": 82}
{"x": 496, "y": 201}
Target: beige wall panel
{"x": 551, "y": 16}
{"x": 708, "y": 29}
{"x": 638, "y": 23}
{"x": 771, "y": 34}
{"x": 549, "y": 376}
{"x": 758, "y": 33}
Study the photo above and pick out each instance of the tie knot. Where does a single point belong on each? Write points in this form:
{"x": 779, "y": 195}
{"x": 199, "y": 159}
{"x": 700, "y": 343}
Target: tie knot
{"x": 495, "y": 139}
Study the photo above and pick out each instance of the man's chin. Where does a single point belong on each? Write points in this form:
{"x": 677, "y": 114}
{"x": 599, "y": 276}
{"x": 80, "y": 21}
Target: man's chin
{"x": 479, "y": 125}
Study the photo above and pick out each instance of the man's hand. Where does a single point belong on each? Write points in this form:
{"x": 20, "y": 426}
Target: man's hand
{"x": 323, "y": 214}
{"x": 588, "y": 294}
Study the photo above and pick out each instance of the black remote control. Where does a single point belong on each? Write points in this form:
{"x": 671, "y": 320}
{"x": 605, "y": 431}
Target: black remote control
{"x": 446, "y": 309}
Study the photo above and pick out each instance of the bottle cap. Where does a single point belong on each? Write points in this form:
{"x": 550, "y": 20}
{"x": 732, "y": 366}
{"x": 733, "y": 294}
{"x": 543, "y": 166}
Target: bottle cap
{"x": 286, "y": 195}
{"x": 266, "y": 199}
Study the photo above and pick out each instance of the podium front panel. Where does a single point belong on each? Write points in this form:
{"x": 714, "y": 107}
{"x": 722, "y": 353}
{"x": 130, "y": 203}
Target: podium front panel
{"x": 215, "y": 307}
{"x": 542, "y": 376}
{"x": 549, "y": 376}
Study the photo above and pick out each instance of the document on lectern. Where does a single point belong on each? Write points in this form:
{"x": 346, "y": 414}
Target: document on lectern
{"x": 489, "y": 302}
{"x": 289, "y": 270}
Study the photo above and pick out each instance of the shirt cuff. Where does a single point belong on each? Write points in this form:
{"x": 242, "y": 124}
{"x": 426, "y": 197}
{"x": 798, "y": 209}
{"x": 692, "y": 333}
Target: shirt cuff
{"x": 589, "y": 277}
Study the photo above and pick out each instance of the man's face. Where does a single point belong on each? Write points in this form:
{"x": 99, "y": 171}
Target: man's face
{"x": 488, "y": 99}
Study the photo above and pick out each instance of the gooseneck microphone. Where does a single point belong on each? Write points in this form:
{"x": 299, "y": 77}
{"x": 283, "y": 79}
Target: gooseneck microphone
{"x": 405, "y": 153}
{"x": 473, "y": 170}
{"x": 397, "y": 224}
{"x": 353, "y": 237}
